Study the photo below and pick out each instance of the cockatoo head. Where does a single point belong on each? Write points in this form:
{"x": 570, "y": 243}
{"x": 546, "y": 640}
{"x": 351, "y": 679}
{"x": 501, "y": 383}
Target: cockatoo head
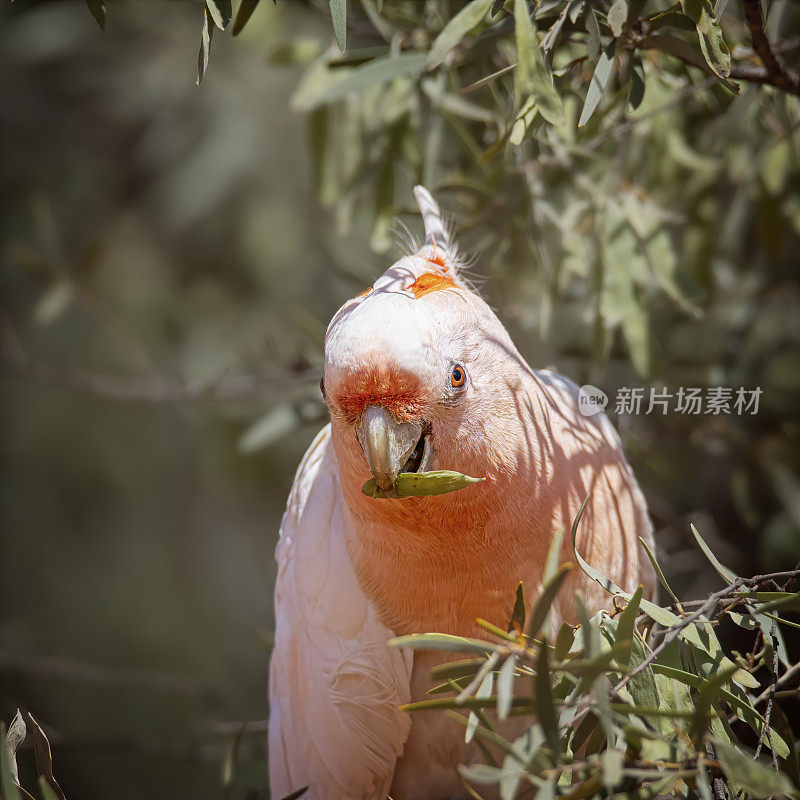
{"x": 413, "y": 368}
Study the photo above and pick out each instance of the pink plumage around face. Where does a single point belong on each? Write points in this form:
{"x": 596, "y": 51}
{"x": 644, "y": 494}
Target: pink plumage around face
{"x": 354, "y": 571}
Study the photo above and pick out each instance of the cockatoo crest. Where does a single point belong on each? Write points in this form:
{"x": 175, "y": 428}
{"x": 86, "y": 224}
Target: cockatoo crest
{"x": 438, "y": 248}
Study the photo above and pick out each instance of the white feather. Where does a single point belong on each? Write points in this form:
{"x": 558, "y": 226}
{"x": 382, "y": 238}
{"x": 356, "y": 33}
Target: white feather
{"x": 335, "y": 686}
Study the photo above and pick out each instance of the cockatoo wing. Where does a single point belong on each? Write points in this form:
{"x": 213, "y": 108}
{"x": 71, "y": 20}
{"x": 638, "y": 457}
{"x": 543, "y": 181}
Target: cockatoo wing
{"x": 335, "y": 686}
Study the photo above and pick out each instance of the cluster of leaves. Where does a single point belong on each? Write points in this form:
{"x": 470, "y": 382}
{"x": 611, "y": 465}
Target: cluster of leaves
{"x": 518, "y": 109}
{"x": 642, "y": 702}
{"x": 23, "y": 727}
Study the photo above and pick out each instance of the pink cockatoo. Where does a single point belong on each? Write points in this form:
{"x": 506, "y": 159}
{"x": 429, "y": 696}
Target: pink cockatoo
{"x": 420, "y": 374}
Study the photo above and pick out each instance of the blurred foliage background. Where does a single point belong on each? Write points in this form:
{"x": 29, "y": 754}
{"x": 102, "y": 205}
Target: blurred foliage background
{"x": 171, "y": 255}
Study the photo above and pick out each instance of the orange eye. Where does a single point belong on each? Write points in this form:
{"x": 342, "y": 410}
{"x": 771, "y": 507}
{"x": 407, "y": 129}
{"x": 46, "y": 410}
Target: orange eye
{"x": 457, "y": 376}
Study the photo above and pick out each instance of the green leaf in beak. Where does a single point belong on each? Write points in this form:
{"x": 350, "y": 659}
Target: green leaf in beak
{"x": 419, "y": 484}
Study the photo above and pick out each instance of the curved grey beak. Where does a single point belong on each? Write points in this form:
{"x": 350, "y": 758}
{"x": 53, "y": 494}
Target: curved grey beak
{"x": 387, "y": 444}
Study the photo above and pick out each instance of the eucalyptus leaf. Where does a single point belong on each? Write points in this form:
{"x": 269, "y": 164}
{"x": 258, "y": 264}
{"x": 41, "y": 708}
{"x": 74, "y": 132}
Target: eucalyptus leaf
{"x": 220, "y": 11}
{"x": 756, "y": 778}
{"x": 484, "y": 692}
{"x": 617, "y": 16}
{"x": 505, "y": 687}
{"x": 625, "y": 625}
{"x": 517, "y": 621}
{"x": 544, "y": 698}
{"x": 246, "y": 9}
{"x": 533, "y": 83}
{"x": 595, "y": 43}
{"x": 323, "y": 86}
{"x": 206, "y": 35}
{"x": 597, "y": 85}
{"x": 469, "y": 17}
{"x": 338, "y": 9}
{"x": 543, "y": 604}
{"x": 422, "y": 484}
{"x": 8, "y": 767}
{"x": 442, "y": 641}
{"x": 98, "y": 11}
{"x": 637, "y": 85}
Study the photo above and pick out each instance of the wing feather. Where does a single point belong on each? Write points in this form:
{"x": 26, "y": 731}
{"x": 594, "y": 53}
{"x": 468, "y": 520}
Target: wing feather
{"x": 335, "y": 686}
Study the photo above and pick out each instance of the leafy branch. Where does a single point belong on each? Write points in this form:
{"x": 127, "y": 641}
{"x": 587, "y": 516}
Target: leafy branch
{"x": 611, "y": 715}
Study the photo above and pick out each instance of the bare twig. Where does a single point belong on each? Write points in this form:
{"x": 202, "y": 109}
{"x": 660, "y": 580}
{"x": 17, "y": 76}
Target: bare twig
{"x": 54, "y": 667}
{"x": 775, "y": 72}
{"x": 768, "y": 713}
{"x": 781, "y": 681}
{"x": 229, "y": 389}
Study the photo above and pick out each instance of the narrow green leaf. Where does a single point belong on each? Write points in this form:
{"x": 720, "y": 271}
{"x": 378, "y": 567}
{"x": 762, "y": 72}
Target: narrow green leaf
{"x": 320, "y": 87}
{"x": 625, "y": 624}
{"x": 636, "y": 90}
{"x": 754, "y": 777}
{"x": 505, "y": 686}
{"x": 46, "y": 790}
{"x": 780, "y": 724}
{"x": 517, "y": 621}
{"x": 205, "y": 45}
{"x": 790, "y": 601}
{"x": 442, "y": 641}
{"x": 554, "y": 558}
{"x": 481, "y": 773}
{"x": 7, "y": 782}
{"x": 484, "y": 692}
{"x": 457, "y": 668}
{"x": 659, "y": 573}
{"x": 600, "y": 691}
{"x": 525, "y": 41}
{"x": 98, "y": 11}
{"x": 456, "y": 29}
{"x": 707, "y": 693}
{"x": 617, "y": 16}
{"x": 339, "y": 19}
{"x": 544, "y": 698}
{"x": 602, "y": 72}
{"x": 421, "y": 484}
{"x": 727, "y": 575}
{"x": 296, "y": 794}
{"x": 220, "y": 11}
{"x": 566, "y": 635}
{"x": 541, "y": 607}
{"x": 532, "y": 78}
{"x": 594, "y": 43}
{"x": 589, "y": 649}
{"x": 524, "y": 704}
{"x": 244, "y": 13}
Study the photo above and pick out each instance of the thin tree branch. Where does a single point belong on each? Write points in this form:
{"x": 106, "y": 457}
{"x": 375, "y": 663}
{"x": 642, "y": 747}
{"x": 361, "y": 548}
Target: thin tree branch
{"x": 65, "y": 668}
{"x": 781, "y": 681}
{"x": 777, "y": 74}
{"x": 228, "y": 389}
